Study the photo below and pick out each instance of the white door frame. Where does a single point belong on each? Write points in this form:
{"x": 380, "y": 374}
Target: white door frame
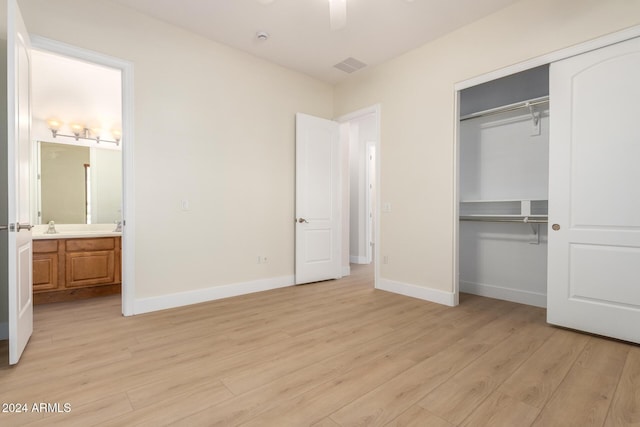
{"x": 370, "y": 213}
{"x": 375, "y": 110}
{"x": 558, "y": 55}
{"x": 128, "y": 199}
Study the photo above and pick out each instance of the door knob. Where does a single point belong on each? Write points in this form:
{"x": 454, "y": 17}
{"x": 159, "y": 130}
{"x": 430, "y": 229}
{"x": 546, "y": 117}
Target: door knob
{"x": 302, "y": 220}
{"x": 17, "y": 227}
{"x": 555, "y": 227}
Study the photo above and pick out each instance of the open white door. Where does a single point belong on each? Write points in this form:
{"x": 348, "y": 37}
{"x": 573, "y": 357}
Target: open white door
{"x": 594, "y": 192}
{"x": 318, "y": 233}
{"x": 18, "y": 166}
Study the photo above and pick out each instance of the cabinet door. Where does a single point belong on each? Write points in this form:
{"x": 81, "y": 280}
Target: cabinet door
{"x": 90, "y": 268}
{"x": 594, "y": 195}
{"x": 46, "y": 266}
{"x": 45, "y": 272}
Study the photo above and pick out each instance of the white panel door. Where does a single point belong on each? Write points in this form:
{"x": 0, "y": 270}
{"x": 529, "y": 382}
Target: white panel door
{"x": 18, "y": 165}
{"x": 594, "y": 192}
{"x": 318, "y": 231}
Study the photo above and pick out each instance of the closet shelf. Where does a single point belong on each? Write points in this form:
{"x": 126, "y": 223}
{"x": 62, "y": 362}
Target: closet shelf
{"x": 514, "y": 208}
{"x": 510, "y": 107}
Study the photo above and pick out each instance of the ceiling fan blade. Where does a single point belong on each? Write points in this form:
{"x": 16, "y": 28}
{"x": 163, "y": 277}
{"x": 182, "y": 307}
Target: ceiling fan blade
{"x": 337, "y": 14}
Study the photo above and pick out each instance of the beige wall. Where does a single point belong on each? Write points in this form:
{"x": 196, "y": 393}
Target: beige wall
{"x": 416, "y": 93}
{"x": 213, "y": 126}
{"x": 216, "y": 126}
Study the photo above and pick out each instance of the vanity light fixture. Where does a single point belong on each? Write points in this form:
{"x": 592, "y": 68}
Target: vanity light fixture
{"x": 77, "y": 129}
{"x": 82, "y": 132}
{"x": 117, "y": 134}
{"x": 54, "y": 126}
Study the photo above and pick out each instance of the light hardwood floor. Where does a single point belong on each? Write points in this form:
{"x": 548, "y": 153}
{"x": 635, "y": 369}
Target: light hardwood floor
{"x": 335, "y": 353}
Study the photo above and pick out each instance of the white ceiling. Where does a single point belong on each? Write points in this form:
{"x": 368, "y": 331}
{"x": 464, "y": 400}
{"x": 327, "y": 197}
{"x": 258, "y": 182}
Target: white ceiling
{"x": 300, "y": 38}
{"x": 75, "y": 92}
{"x": 300, "y": 35}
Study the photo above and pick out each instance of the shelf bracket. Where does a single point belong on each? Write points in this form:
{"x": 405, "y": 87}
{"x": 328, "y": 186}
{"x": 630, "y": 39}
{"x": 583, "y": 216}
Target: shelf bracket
{"x": 535, "y": 234}
{"x": 535, "y": 118}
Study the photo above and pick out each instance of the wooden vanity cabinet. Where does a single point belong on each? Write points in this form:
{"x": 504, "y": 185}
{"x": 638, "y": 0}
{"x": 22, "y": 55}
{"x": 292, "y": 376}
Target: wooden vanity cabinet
{"x": 69, "y": 269}
{"x": 45, "y": 265}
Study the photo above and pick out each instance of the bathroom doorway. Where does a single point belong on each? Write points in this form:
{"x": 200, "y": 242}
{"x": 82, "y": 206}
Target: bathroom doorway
{"x": 82, "y": 104}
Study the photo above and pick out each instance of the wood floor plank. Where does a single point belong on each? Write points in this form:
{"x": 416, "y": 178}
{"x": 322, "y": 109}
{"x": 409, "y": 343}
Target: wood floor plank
{"x": 169, "y": 409}
{"x": 19, "y": 419}
{"x": 331, "y": 354}
{"x": 461, "y": 395}
{"x": 251, "y": 404}
{"x": 89, "y": 414}
{"x": 446, "y": 332}
{"x": 417, "y": 416}
{"x": 325, "y": 422}
{"x": 389, "y": 400}
{"x": 538, "y": 378}
{"x": 500, "y": 409}
{"x": 257, "y": 401}
{"x": 584, "y": 396}
{"x": 264, "y": 372}
{"x": 322, "y": 400}
{"x": 625, "y": 408}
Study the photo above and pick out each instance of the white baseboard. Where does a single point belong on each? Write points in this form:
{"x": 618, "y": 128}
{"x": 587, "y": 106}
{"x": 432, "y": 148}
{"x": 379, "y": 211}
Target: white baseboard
{"x": 4, "y": 330}
{"x": 358, "y": 259}
{"x": 147, "y": 305}
{"x": 415, "y": 291}
{"x": 508, "y": 294}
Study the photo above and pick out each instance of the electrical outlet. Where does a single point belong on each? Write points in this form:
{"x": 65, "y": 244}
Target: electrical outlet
{"x": 262, "y": 259}
{"x": 385, "y": 259}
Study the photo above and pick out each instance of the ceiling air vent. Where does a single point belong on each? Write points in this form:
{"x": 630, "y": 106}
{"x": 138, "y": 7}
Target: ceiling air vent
{"x": 350, "y": 65}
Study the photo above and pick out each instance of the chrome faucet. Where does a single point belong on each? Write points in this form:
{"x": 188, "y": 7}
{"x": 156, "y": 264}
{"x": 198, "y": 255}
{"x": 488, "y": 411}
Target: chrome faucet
{"x": 118, "y": 227}
{"x": 52, "y": 228}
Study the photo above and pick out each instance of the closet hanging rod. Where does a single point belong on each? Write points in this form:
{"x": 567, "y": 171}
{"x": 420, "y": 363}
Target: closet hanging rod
{"x": 505, "y": 108}
{"x": 523, "y": 220}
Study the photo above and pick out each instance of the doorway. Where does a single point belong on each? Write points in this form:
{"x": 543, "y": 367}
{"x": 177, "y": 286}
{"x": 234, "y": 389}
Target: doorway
{"x": 360, "y": 136}
{"x": 110, "y": 140}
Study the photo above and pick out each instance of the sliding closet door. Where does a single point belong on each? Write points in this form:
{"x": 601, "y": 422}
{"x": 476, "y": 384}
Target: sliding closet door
{"x": 594, "y": 192}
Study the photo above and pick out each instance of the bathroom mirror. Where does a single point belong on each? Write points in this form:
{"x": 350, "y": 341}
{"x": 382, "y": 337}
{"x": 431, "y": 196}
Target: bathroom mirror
{"x": 78, "y": 184}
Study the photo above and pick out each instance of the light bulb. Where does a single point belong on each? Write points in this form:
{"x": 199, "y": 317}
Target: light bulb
{"x": 54, "y": 124}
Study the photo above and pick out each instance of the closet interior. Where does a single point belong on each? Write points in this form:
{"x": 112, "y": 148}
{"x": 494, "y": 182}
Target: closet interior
{"x": 503, "y": 187}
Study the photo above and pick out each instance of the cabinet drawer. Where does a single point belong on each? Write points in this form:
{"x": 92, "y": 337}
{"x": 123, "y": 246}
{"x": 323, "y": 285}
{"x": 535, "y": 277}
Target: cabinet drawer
{"x": 80, "y": 245}
{"x": 44, "y": 246}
